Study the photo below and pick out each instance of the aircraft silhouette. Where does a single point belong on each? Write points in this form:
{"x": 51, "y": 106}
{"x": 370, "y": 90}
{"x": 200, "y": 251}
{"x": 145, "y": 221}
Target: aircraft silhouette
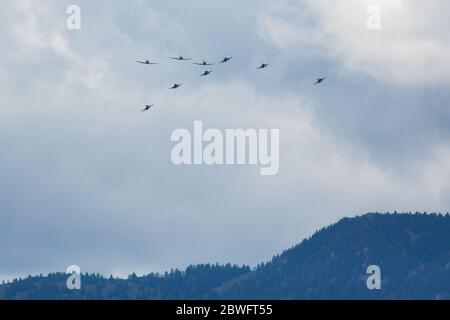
{"x": 147, "y": 107}
{"x": 175, "y": 86}
{"x": 319, "y": 80}
{"x": 146, "y": 62}
{"x": 205, "y": 73}
{"x": 204, "y": 63}
{"x": 226, "y": 59}
{"x": 264, "y": 65}
{"x": 180, "y": 58}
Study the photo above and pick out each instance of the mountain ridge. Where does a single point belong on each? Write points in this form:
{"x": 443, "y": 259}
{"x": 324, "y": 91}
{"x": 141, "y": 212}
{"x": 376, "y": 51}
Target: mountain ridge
{"x": 412, "y": 251}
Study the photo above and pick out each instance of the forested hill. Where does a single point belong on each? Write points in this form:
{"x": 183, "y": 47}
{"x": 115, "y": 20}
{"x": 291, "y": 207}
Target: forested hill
{"x": 412, "y": 251}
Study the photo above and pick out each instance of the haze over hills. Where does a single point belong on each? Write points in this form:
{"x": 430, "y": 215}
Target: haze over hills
{"x": 412, "y": 251}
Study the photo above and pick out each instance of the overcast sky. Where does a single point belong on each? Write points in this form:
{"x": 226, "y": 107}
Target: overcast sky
{"x": 87, "y": 179}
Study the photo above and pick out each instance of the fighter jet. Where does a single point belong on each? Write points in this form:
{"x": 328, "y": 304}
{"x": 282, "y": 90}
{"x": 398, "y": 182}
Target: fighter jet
{"x": 226, "y": 59}
{"x": 180, "y": 58}
{"x": 204, "y": 63}
{"x": 146, "y": 62}
{"x": 319, "y": 80}
{"x": 147, "y": 107}
{"x": 175, "y": 86}
{"x": 264, "y": 65}
{"x": 205, "y": 73}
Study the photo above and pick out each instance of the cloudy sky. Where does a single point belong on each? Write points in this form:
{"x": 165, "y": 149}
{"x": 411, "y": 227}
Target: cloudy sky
{"x": 87, "y": 179}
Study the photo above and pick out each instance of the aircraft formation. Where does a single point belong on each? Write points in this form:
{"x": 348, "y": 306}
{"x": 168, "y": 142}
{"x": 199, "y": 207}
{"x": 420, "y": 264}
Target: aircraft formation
{"x": 206, "y": 72}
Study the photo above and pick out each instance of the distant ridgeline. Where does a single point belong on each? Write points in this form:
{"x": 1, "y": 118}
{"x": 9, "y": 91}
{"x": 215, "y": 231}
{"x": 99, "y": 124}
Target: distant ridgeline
{"x": 412, "y": 252}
